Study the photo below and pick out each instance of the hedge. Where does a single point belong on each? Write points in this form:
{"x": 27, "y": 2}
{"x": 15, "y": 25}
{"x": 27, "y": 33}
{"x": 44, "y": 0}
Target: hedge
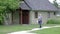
{"x": 53, "y": 21}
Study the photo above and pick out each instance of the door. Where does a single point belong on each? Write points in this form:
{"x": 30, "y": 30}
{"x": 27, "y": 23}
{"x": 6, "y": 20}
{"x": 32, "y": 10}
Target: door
{"x": 25, "y": 17}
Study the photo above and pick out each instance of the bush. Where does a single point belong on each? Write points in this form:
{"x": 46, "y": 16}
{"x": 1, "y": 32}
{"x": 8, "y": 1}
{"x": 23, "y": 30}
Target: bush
{"x": 1, "y": 20}
{"x": 53, "y": 21}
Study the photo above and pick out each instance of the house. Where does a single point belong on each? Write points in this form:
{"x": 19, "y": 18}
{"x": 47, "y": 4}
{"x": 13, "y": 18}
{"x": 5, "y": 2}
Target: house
{"x": 29, "y": 11}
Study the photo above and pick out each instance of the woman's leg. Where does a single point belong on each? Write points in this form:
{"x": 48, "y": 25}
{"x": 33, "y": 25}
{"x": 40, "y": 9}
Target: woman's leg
{"x": 40, "y": 25}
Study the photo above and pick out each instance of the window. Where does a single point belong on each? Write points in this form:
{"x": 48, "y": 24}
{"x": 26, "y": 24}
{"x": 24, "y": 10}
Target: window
{"x": 54, "y": 13}
{"x": 36, "y": 14}
{"x": 48, "y": 14}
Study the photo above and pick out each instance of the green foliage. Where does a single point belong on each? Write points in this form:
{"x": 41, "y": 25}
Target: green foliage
{"x": 55, "y": 3}
{"x": 8, "y": 6}
{"x": 12, "y": 4}
{"x": 53, "y": 21}
{"x": 1, "y": 20}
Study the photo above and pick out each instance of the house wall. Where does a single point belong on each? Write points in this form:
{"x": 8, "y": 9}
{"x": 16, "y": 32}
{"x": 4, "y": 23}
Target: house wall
{"x": 16, "y": 17}
{"x": 8, "y": 19}
{"x": 34, "y": 20}
{"x": 44, "y": 16}
{"x": 31, "y": 18}
{"x": 52, "y": 15}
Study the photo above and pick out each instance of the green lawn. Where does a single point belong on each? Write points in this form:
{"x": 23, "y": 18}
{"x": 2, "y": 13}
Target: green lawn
{"x": 12, "y": 28}
{"x": 48, "y": 31}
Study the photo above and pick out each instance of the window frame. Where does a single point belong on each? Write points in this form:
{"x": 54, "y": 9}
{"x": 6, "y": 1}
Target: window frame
{"x": 36, "y": 14}
{"x": 48, "y": 14}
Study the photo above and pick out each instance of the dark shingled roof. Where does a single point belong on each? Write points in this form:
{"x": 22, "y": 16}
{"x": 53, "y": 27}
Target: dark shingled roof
{"x": 24, "y": 6}
{"x": 38, "y": 5}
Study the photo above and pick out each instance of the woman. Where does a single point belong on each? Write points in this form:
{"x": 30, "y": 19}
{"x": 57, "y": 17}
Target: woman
{"x": 40, "y": 20}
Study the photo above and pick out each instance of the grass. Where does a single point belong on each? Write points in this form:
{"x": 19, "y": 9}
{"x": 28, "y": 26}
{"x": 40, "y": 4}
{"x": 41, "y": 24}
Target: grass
{"x": 13, "y": 28}
{"x": 48, "y": 31}
{"x": 4, "y": 29}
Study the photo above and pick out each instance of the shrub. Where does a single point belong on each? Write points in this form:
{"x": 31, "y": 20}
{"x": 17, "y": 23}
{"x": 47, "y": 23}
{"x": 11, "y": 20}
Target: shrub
{"x": 53, "y": 21}
{"x": 1, "y": 20}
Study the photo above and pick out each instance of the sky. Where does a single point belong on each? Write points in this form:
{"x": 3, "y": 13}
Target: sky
{"x": 58, "y": 1}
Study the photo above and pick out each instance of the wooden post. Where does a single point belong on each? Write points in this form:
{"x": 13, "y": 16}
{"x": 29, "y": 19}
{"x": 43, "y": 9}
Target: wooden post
{"x": 12, "y": 18}
{"x": 21, "y": 17}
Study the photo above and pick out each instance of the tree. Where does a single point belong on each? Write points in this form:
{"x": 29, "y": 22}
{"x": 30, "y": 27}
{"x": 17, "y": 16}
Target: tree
{"x": 8, "y": 6}
{"x": 55, "y": 3}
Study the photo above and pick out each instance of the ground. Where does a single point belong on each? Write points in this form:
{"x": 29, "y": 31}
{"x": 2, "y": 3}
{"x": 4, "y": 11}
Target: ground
{"x": 38, "y": 30}
{"x": 15, "y": 28}
{"x": 12, "y": 28}
{"x": 48, "y": 31}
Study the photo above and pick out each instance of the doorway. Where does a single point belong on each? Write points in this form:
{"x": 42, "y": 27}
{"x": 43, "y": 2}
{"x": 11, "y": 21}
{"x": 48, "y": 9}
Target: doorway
{"x": 24, "y": 17}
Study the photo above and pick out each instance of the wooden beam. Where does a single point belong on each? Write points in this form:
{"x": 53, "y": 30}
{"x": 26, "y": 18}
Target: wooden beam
{"x": 12, "y": 17}
{"x": 21, "y": 17}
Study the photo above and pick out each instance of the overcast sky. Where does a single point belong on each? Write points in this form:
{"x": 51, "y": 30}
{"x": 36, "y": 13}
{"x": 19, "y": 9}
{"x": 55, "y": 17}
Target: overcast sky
{"x": 58, "y": 1}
